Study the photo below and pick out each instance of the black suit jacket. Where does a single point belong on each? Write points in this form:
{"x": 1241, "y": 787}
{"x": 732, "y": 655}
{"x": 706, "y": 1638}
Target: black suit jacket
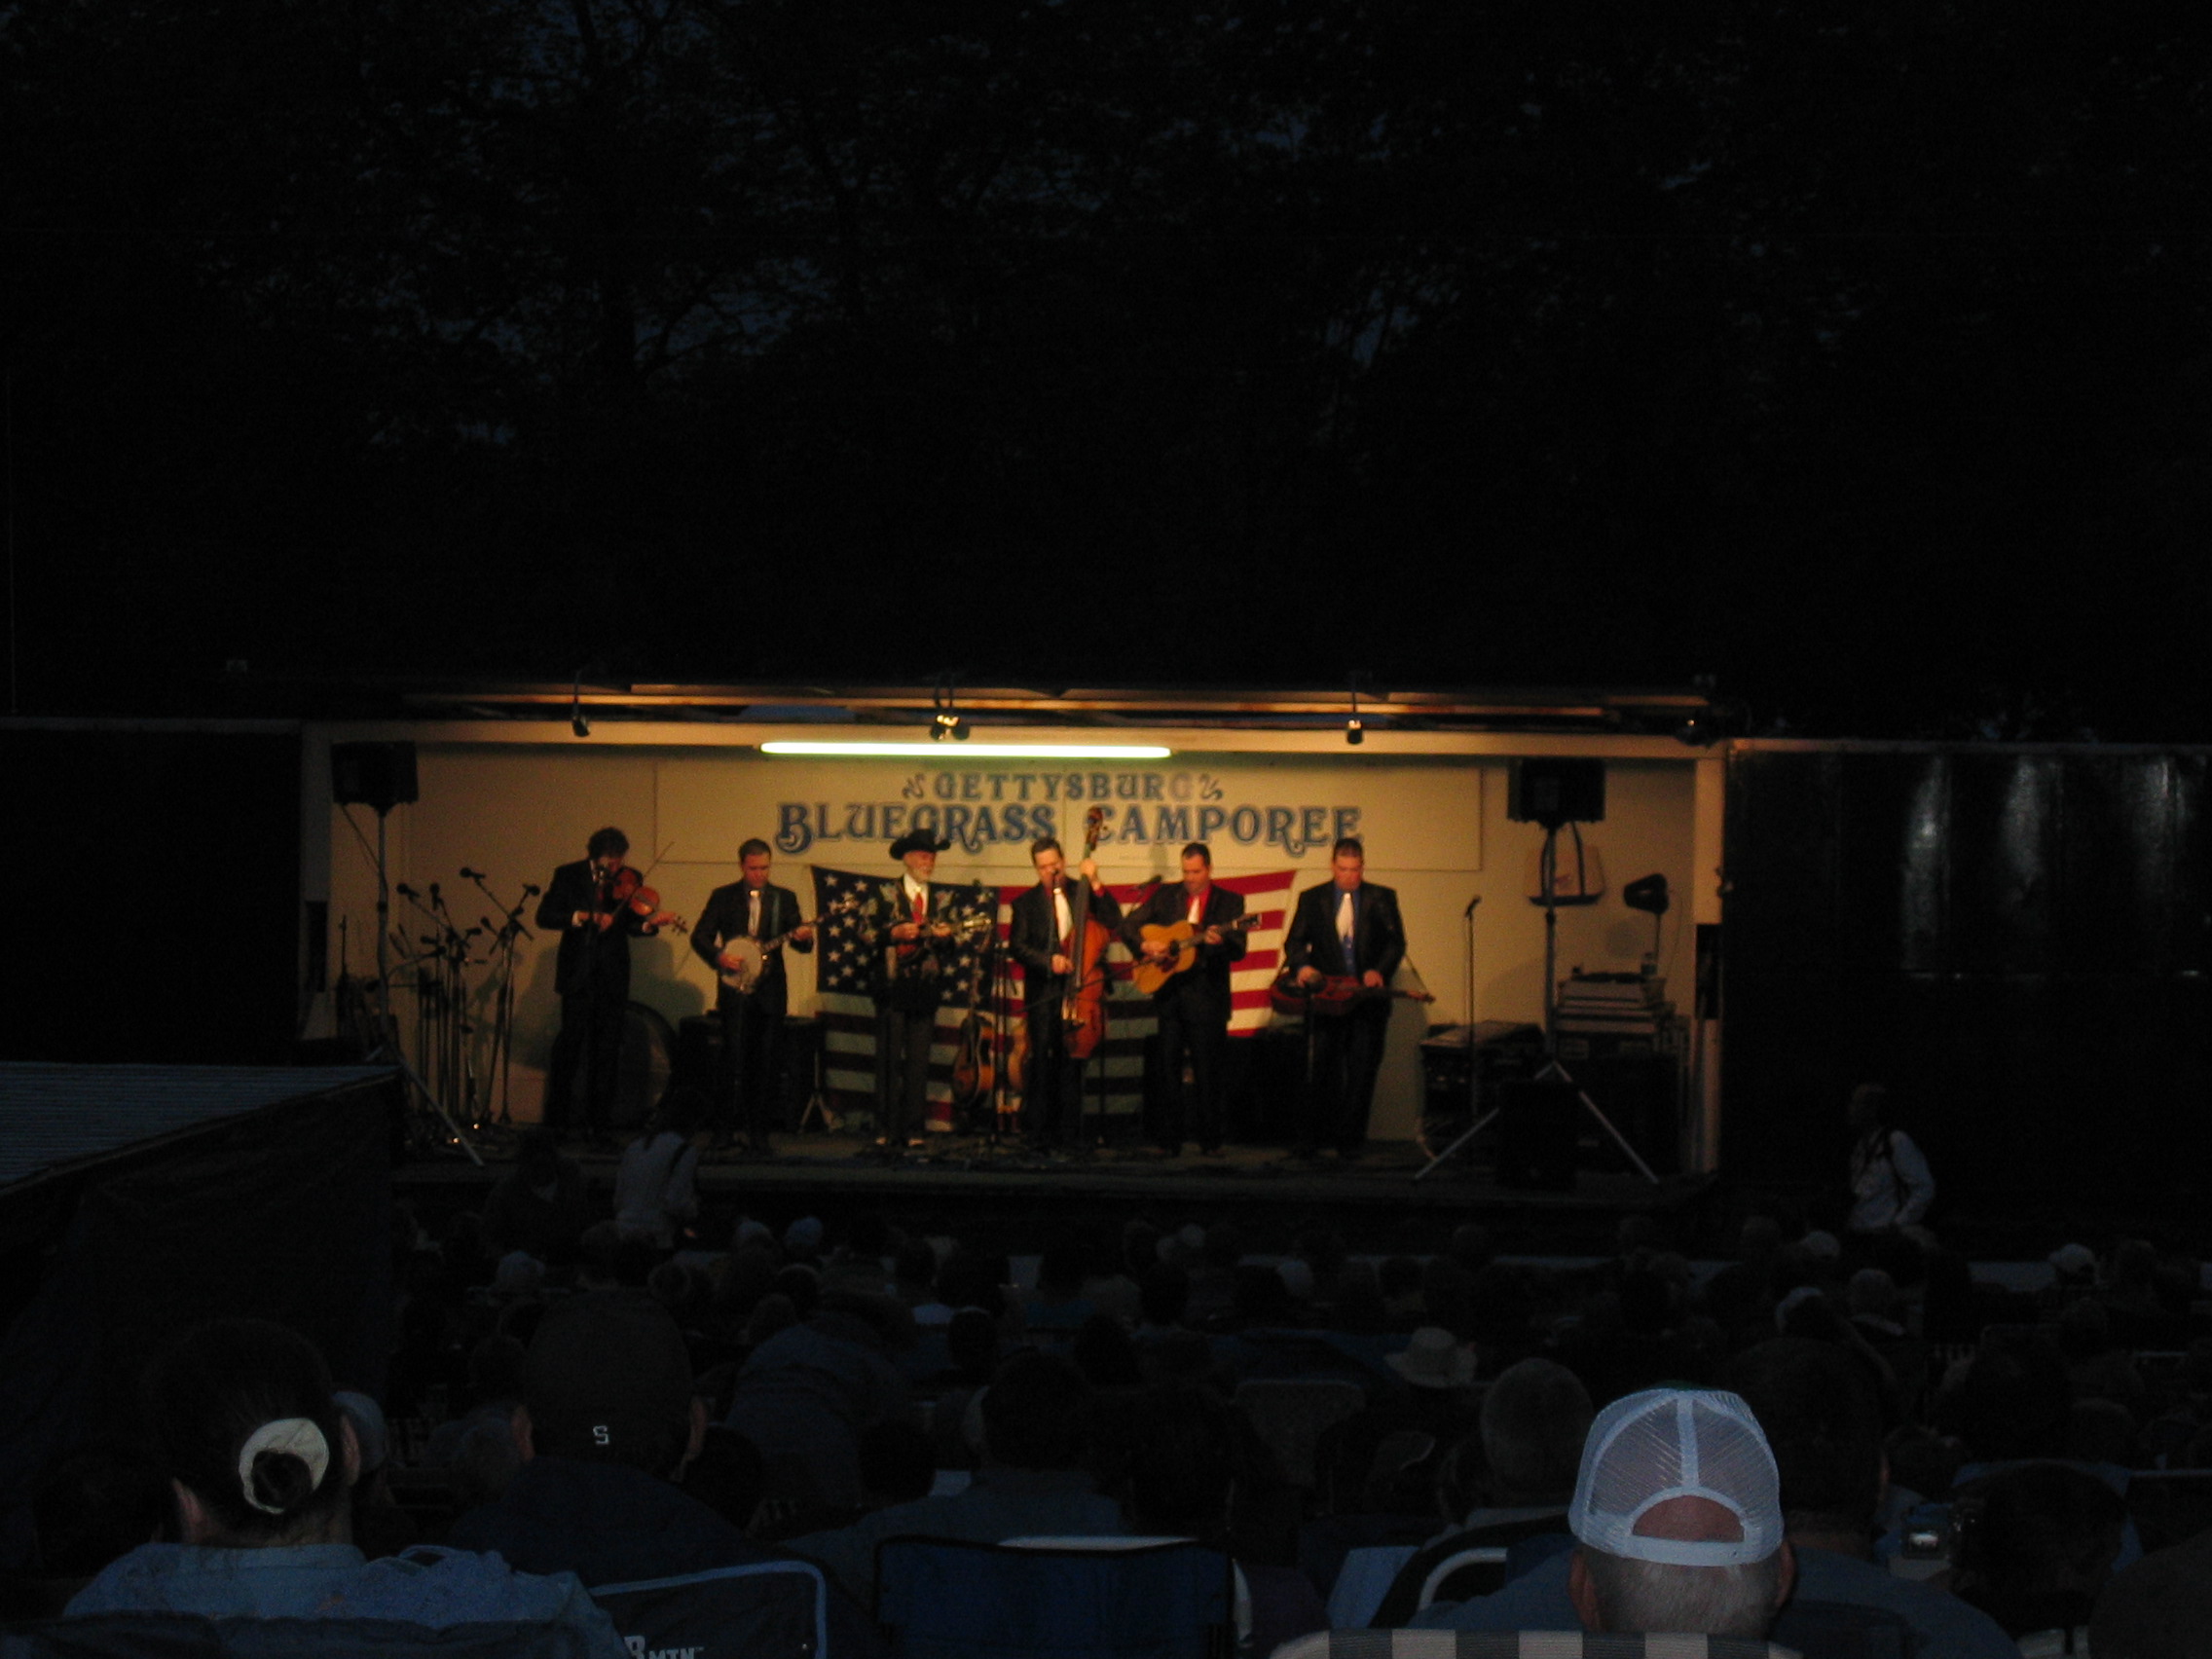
{"x": 1379, "y": 936}
{"x": 911, "y": 990}
{"x": 1035, "y": 935}
{"x": 1168, "y": 905}
{"x": 590, "y": 959}
{"x": 723, "y": 920}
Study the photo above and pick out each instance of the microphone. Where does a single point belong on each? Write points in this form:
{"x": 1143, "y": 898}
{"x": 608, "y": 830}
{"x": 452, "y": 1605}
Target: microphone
{"x": 1471, "y": 904}
{"x": 531, "y": 890}
{"x": 406, "y": 891}
{"x": 467, "y": 874}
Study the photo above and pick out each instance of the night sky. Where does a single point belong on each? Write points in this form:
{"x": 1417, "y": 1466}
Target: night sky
{"x": 1853, "y": 354}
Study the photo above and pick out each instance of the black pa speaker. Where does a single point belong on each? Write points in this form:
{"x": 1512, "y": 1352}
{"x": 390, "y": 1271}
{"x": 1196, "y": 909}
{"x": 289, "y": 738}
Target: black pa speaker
{"x": 1554, "y": 792}
{"x": 381, "y": 775}
{"x": 1536, "y": 1135}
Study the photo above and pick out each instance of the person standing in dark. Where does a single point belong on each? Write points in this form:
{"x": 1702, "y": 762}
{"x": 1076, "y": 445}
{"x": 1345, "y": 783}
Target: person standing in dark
{"x": 1347, "y": 928}
{"x": 1192, "y": 1005}
{"x": 752, "y": 1020}
{"x": 910, "y": 918}
{"x": 592, "y": 977}
{"x": 1042, "y": 938}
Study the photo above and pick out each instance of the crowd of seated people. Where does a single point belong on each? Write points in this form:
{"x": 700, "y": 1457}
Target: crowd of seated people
{"x": 1971, "y": 1469}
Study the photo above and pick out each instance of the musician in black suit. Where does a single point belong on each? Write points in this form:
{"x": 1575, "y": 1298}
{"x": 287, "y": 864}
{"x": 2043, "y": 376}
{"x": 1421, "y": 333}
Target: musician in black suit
{"x": 1042, "y": 941}
{"x": 1346, "y": 927}
{"x": 752, "y": 1021}
{"x": 592, "y": 975}
{"x": 910, "y": 923}
{"x": 1194, "y": 1006}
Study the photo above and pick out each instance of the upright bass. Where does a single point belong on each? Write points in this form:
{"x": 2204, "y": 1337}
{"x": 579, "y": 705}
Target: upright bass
{"x": 1083, "y": 1005}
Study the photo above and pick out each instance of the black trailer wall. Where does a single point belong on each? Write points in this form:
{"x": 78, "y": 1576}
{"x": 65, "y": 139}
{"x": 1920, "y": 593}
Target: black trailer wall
{"x": 2018, "y": 942}
{"x": 156, "y": 891}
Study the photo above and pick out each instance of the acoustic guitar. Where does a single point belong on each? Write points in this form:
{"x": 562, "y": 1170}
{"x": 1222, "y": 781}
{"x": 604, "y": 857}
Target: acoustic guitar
{"x": 1181, "y": 941}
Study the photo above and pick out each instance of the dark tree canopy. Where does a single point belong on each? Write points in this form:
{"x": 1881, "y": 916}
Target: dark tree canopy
{"x": 1858, "y": 355}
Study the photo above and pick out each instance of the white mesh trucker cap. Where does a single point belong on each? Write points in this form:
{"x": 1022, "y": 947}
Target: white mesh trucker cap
{"x": 1668, "y": 1443}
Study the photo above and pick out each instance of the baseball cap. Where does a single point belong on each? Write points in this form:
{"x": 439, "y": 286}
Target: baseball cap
{"x": 608, "y": 1377}
{"x": 1672, "y": 1443}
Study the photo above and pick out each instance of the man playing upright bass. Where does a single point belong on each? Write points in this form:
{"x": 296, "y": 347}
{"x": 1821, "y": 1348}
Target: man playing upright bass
{"x": 1042, "y": 941}
{"x": 752, "y": 1013}
{"x": 1193, "y": 1005}
{"x": 1346, "y": 931}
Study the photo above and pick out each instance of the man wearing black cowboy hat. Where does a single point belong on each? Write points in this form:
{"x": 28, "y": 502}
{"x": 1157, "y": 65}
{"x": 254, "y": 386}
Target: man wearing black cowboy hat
{"x": 910, "y": 921}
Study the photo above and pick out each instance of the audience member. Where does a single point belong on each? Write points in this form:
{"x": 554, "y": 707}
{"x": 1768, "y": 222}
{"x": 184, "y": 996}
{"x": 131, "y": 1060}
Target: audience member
{"x": 655, "y": 1190}
{"x": 2158, "y": 1608}
{"x": 1891, "y": 1186}
{"x": 1821, "y": 1416}
{"x": 539, "y": 1206}
{"x": 240, "y": 1417}
{"x": 1036, "y": 1418}
{"x": 1185, "y": 1470}
{"x": 807, "y": 1391}
{"x": 2040, "y": 1549}
{"x": 606, "y": 1429}
{"x": 1535, "y": 1419}
{"x": 1677, "y": 1514}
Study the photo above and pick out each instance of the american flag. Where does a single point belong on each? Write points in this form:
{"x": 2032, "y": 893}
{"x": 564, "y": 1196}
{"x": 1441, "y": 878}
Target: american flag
{"x": 847, "y": 969}
{"x": 845, "y": 976}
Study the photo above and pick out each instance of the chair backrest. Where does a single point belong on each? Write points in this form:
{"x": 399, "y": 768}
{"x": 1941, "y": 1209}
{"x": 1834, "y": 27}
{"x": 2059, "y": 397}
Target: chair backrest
{"x": 1844, "y": 1629}
{"x": 1290, "y": 1415}
{"x": 190, "y": 1635}
{"x": 1520, "y": 1644}
{"x": 771, "y": 1609}
{"x": 949, "y": 1598}
{"x": 1460, "y": 1566}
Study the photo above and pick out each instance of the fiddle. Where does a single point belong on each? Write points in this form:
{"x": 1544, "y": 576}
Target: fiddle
{"x": 626, "y": 890}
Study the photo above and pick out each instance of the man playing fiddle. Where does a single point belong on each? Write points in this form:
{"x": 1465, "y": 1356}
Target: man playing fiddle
{"x": 585, "y": 901}
{"x": 753, "y": 1021}
{"x": 1194, "y": 1006}
{"x": 1043, "y": 936}
{"x": 1347, "y": 928}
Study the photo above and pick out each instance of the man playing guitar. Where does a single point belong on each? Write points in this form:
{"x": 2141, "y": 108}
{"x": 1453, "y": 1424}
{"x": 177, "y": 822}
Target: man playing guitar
{"x": 910, "y": 922}
{"x": 752, "y": 1020}
{"x": 1346, "y": 927}
{"x": 1192, "y": 1005}
{"x": 1043, "y": 937}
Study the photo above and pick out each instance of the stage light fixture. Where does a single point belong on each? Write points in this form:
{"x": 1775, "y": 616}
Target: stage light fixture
{"x": 1355, "y": 733}
{"x": 577, "y": 723}
{"x": 945, "y": 723}
{"x": 995, "y": 751}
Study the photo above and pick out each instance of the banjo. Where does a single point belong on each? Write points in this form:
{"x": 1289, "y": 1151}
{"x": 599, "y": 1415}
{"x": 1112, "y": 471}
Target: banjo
{"x": 744, "y": 959}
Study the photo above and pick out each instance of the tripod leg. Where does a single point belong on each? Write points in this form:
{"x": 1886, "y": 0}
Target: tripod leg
{"x": 1561, "y": 1074}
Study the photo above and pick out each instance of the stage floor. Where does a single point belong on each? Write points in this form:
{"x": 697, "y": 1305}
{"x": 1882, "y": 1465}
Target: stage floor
{"x": 958, "y": 1181}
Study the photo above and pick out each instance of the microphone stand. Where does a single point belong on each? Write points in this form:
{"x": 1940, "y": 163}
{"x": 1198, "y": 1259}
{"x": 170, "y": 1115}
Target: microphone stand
{"x": 1477, "y": 1119}
{"x": 504, "y": 939}
{"x": 460, "y": 1030}
{"x": 388, "y": 1033}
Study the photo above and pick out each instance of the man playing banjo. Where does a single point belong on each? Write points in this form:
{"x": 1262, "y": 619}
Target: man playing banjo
{"x": 741, "y": 936}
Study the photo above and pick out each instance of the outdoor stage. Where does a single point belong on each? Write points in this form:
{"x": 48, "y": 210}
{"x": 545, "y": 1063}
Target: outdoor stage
{"x": 1000, "y": 1196}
